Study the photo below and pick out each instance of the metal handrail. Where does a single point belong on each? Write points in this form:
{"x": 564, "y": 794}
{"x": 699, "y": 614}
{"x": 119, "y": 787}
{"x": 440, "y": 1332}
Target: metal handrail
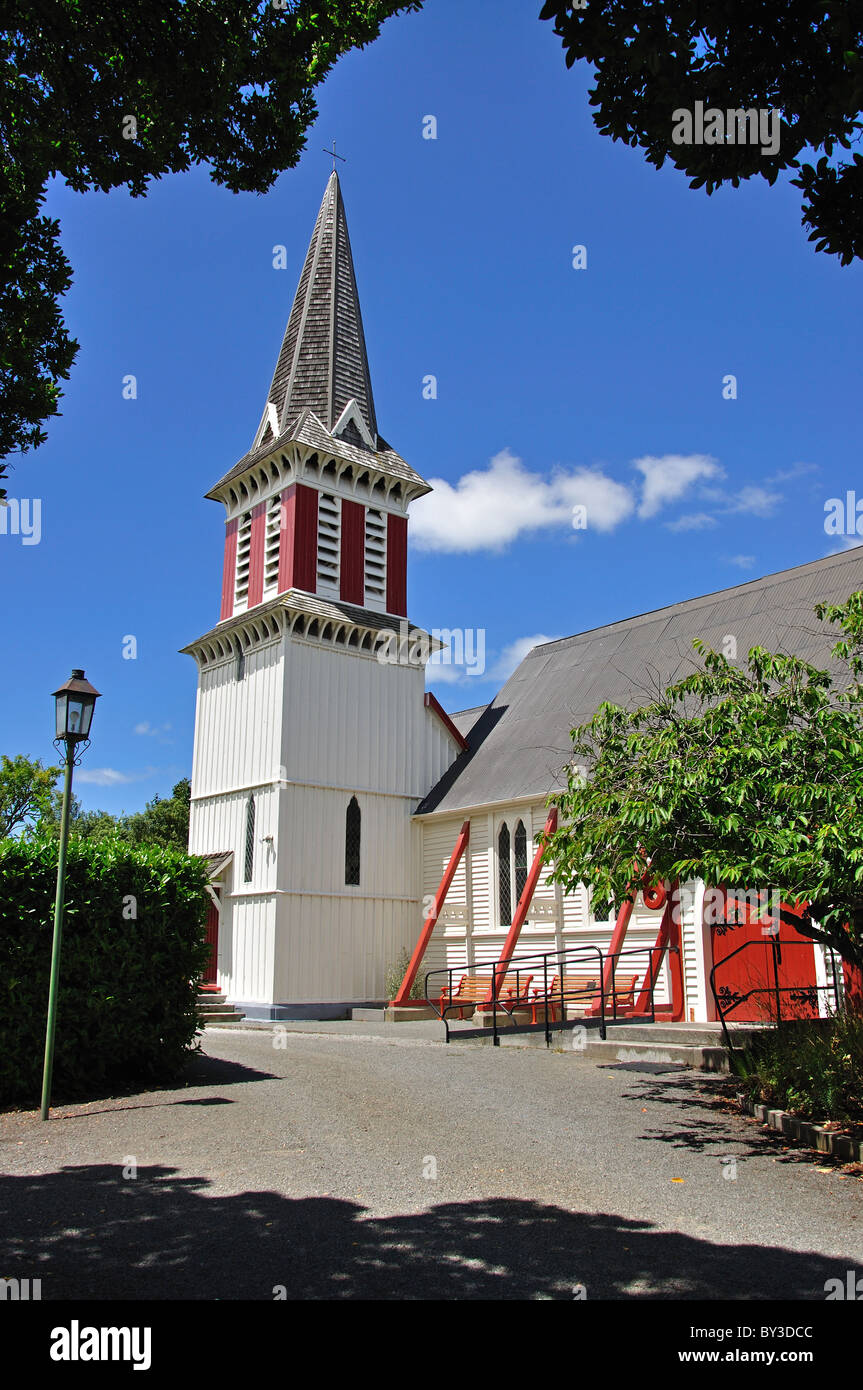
{"x": 774, "y": 989}
{"x": 549, "y": 962}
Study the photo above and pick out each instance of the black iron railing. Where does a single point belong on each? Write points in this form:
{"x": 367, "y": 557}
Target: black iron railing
{"x": 525, "y": 982}
{"x": 728, "y": 999}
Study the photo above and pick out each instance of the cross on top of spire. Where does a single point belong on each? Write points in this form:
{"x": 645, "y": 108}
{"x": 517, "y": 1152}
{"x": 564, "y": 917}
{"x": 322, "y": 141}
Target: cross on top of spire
{"x": 334, "y": 155}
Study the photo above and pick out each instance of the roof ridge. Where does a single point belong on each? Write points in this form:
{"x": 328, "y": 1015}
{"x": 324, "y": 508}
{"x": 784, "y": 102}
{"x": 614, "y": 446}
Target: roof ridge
{"x": 691, "y": 602}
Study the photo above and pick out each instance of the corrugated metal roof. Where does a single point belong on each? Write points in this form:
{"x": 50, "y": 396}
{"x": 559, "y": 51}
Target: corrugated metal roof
{"x": 465, "y": 719}
{"x": 520, "y": 742}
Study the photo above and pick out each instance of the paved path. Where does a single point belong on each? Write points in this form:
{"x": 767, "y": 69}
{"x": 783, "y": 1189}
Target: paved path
{"x": 306, "y": 1166}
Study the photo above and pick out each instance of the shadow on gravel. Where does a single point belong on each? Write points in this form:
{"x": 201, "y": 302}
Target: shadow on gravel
{"x": 88, "y": 1234}
{"x": 736, "y": 1132}
{"x": 200, "y": 1070}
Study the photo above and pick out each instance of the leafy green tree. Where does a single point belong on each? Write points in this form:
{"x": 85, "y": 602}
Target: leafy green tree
{"x": 749, "y": 776}
{"x": 164, "y": 821}
{"x": 85, "y": 825}
{"x": 27, "y": 792}
{"x": 803, "y": 60}
{"x": 119, "y": 92}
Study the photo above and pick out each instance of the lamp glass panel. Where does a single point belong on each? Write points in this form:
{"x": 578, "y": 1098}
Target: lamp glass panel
{"x": 60, "y": 703}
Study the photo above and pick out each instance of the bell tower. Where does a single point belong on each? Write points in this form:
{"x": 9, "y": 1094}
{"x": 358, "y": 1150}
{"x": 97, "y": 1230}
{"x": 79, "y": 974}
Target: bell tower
{"x": 313, "y": 745}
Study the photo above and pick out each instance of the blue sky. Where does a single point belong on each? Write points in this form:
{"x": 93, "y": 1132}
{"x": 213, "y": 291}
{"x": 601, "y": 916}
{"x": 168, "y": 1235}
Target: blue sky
{"x": 553, "y": 384}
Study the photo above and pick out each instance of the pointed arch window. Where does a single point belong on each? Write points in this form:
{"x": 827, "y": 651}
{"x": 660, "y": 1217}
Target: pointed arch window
{"x": 249, "y": 862}
{"x": 519, "y": 859}
{"x": 504, "y": 876}
{"x": 353, "y": 827}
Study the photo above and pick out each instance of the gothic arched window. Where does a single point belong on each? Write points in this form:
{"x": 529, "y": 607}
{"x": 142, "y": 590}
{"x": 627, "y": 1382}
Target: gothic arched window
{"x": 504, "y": 876}
{"x": 250, "y": 840}
{"x": 519, "y": 845}
{"x": 352, "y": 841}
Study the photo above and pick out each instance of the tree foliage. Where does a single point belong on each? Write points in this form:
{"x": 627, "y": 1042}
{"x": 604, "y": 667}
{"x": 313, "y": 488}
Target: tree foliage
{"x": 803, "y": 60}
{"x": 115, "y": 93}
{"x": 749, "y": 776}
{"x": 27, "y": 792}
{"x": 163, "y": 821}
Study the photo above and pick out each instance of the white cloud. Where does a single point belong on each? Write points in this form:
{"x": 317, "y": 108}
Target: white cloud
{"x": 845, "y": 543}
{"x": 514, "y": 653}
{"x": 110, "y": 777}
{"x": 488, "y": 509}
{"x": 743, "y": 562}
{"x": 668, "y": 477}
{"x": 797, "y": 470}
{"x": 750, "y": 500}
{"x": 694, "y": 521}
{"x": 511, "y": 656}
{"x": 148, "y": 730}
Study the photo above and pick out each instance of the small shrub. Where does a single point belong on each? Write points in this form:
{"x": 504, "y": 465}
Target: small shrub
{"x": 396, "y": 973}
{"x": 133, "y": 950}
{"x": 814, "y": 1068}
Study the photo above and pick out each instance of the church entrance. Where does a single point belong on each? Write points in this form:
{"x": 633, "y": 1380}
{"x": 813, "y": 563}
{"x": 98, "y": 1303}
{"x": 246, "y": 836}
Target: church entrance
{"x": 758, "y": 975}
{"x": 209, "y": 980}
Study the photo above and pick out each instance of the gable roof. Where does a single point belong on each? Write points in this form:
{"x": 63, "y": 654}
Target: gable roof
{"x": 520, "y": 743}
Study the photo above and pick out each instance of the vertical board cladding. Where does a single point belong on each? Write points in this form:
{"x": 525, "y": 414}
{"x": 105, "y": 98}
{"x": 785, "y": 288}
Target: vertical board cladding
{"x": 237, "y": 734}
{"x": 351, "y": 720}
{"x": 397, "y": 565}
{"x": 298, "y": 552}
{"x": 336, "y": 950}
{"x": 353, "y": 548}
{"x": 247, "y": 949}
{"x": 256, "y": 554}
{"x": 311, "y": 836}
{"x": 229, "y": 569}
{"x": 218, "y": 825}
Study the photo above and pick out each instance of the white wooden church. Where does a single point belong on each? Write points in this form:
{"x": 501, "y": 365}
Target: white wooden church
{"x": 329, "y": 790}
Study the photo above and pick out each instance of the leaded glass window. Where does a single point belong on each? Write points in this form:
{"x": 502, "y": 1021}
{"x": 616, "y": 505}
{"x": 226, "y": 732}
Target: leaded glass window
{"x": 250, "y": 840}
{"x": 352, "y": 841}
{"x": 504, "y": 878}
{"x": 520, "y": 859}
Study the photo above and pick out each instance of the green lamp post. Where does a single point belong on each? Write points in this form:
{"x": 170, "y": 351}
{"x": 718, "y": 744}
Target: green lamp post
{"x": 75, "y": 702}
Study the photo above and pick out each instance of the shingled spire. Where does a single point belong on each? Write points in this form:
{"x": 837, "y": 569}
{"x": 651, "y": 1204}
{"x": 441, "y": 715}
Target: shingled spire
{"x": 323, "y": 365}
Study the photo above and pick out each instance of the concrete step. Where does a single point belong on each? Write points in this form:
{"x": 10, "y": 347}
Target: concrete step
{"x": 687, "y": 1034}
{"x": 232, "y": 1016}
{"x": 696, "y": 1058}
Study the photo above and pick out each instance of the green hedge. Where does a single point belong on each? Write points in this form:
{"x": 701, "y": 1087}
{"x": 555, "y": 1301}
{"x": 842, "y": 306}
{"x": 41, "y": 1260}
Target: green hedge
{"x": 126, "y": 1011}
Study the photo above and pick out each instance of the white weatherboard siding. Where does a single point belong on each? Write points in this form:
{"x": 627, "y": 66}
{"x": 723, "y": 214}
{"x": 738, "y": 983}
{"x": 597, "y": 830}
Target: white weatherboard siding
{"x": 469, "y": 935}
{"x": 306, "y": 728}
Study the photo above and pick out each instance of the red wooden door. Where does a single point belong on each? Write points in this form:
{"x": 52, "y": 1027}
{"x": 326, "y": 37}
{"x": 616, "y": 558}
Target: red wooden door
{"x": 752, "y": 969}
{"x": 210, "y": 979}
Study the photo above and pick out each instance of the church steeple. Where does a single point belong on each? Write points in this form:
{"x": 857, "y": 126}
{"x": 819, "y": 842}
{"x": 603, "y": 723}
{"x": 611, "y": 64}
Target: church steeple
{"x": 318, "y": 506}
{"x": 323, "y": 366}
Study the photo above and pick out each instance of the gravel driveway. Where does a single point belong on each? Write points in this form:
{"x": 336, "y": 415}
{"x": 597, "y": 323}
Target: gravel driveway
{"x": 349, "y": 1165}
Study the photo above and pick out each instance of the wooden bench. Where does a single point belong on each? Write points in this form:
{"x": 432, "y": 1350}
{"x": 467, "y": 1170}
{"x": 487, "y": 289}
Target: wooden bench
{"x": 474, "y": 989}
{"x": 578, "y": 988}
